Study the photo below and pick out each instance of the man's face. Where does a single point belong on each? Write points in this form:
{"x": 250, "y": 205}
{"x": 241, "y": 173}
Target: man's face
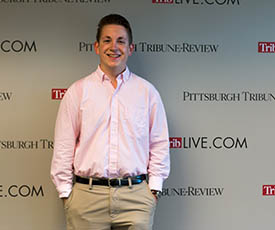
{"x": 113, "y": 48}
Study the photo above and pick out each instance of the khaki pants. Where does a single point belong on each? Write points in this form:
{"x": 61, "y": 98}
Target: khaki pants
{"x": 106, "y": 208}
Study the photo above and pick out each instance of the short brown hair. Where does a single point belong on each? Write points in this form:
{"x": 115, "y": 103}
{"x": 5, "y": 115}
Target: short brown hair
{"x": 114, "y": 19}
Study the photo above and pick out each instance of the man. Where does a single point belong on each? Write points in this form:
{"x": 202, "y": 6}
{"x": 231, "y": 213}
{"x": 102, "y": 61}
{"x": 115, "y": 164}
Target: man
{"x": 111, "y": 135}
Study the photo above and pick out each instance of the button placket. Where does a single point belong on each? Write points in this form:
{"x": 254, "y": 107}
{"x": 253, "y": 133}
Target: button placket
{"x": 114, "y": 132}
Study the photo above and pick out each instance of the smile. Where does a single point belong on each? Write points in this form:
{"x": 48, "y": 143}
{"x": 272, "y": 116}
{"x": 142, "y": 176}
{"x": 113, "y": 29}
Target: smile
{"x": 114, "y": 55}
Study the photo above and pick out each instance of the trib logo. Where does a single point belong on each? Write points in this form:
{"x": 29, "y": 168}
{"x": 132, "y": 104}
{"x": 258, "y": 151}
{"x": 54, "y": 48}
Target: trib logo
{"x": 58, "y": 94}
{"x": 163, "y": 1}
{"x": 175, "y": 142}
{"x": 268, "y": 190}
{"x": 266, "y": 47}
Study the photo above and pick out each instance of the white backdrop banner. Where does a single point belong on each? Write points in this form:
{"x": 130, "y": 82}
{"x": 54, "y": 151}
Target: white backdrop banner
{"x": 212, "y": 62}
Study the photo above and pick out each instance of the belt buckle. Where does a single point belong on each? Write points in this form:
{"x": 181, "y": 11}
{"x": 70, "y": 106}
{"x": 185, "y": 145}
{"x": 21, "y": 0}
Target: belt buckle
{"x": 114, "y": 179}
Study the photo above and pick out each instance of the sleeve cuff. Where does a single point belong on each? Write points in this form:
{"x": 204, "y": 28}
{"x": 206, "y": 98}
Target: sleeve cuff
{"x": 64, "y": 190}
{"x": 155, "y": 183}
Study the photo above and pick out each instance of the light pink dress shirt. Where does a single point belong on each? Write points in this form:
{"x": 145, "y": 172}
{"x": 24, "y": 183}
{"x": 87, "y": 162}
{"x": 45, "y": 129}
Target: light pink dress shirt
{"x": 106, "y": 132}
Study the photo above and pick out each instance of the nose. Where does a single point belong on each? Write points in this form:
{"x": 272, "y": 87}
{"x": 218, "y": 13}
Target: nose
{"x": 114, "y": 45}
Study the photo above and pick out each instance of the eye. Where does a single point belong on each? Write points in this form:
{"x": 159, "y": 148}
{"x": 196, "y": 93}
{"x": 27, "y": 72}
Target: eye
{"x": 121, "y": 42}
{"x": 106, "y": 40}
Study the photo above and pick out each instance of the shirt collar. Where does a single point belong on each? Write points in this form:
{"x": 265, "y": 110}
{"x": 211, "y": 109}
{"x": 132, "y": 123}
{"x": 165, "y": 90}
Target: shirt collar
{"x": 125, "y": 75}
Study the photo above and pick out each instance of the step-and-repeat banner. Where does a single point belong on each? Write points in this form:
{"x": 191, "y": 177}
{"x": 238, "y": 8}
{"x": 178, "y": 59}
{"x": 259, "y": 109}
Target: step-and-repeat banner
{"x": 212, "y": 62}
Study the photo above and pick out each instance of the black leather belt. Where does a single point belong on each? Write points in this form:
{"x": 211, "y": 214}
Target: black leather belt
{"x": 112, "y": 182}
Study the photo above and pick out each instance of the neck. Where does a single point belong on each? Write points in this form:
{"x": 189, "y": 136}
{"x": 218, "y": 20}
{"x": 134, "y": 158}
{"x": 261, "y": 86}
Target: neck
{"x": 112, "y": 73}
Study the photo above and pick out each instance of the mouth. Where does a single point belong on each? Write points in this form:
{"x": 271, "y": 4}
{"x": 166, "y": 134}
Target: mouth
{"x": 114, "y": 55}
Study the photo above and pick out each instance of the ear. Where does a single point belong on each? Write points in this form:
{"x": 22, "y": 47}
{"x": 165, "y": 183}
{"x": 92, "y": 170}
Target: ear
{"x": 132, "y": 48}
{"x": 96, "y": 47}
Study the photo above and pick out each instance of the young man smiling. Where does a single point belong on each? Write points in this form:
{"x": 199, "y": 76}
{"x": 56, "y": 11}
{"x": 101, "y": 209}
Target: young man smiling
{"x": 111, "y": 135}
{"x": 113, "y": 48}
